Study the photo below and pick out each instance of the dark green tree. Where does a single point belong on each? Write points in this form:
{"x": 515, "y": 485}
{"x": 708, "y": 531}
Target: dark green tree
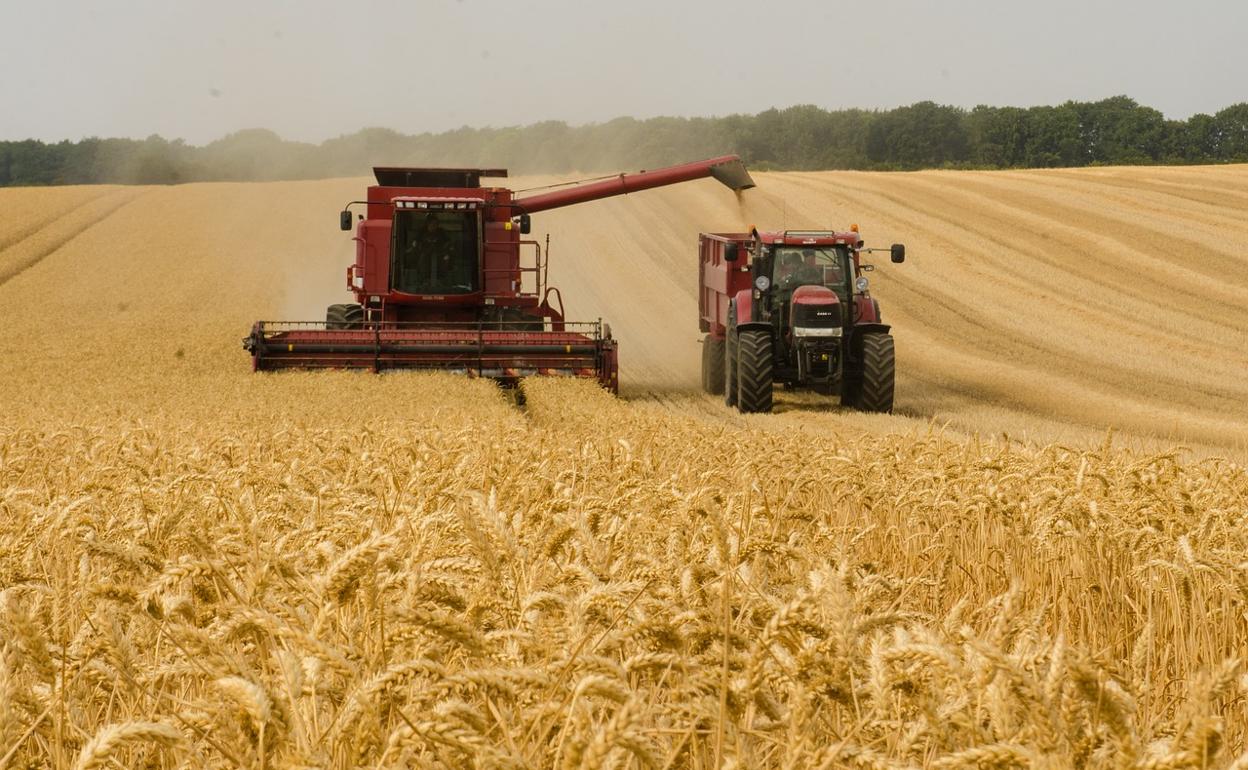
{"x": 922, "y": 135}
{"x": 1231, "y": 128}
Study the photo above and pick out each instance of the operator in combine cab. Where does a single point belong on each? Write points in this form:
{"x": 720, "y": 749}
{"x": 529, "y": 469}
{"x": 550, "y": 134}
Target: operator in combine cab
{"x": 436, "y": 265}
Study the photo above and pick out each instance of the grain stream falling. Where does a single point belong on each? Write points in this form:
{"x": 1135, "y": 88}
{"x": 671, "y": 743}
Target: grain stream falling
{"x": 203, "y": 567}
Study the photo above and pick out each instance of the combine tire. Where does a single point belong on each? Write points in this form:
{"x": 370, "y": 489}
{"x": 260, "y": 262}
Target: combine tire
{"x": 344, "y": 316}
{"x": 730, "y": 368}
{"x": 712, "y": 365}
{"x": 754, "y": 371}
{"x": 879, "y": 370}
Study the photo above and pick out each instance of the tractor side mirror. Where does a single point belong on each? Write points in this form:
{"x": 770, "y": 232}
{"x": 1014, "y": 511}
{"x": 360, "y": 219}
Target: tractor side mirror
{"x": 897, "y": 253}
{"x": 526, "y": 225}
{"x": 344, "y": 220}
{"x": 732, "y": 252}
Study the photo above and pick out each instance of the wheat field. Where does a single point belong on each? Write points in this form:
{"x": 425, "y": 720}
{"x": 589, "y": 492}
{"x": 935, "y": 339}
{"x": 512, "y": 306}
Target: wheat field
{"x": 1040, "y": 561}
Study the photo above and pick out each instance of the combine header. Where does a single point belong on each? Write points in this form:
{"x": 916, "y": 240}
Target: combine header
{"x": 443, "y": 280}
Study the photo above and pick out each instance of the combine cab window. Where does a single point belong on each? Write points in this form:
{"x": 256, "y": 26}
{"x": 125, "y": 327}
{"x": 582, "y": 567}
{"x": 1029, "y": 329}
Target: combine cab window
{"x": 435, "y": 252}
{"x": 806, "y": 266}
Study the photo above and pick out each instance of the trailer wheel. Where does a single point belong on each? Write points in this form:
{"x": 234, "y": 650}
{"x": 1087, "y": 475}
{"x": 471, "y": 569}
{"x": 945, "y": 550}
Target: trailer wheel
{"x": 713, "y": 365}
{"x": 730, "y": 367}
{"x": 879, "y": 371}
{"x": 754, "y": 375}
{"x": 349, "y": 316}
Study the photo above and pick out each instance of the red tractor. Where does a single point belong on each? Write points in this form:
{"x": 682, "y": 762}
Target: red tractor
{"x": 793, "y": 308}
{"x": 443, "y": 279}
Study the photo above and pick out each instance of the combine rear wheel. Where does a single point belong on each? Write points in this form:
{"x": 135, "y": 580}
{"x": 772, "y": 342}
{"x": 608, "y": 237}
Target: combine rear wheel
{"x": 344, "y": 316}
{"x": 879, "y": 369}
{"x": 712, "y": 365}
{"x": 754, "y": 373}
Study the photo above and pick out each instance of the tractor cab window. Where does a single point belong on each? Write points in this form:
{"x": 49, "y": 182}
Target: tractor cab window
{"x": 795, "y": 266}
{"x": 435, "y": 252}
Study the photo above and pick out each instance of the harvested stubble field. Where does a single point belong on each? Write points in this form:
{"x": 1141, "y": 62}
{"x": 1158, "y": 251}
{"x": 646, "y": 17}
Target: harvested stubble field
{"x": 203, "y": 567}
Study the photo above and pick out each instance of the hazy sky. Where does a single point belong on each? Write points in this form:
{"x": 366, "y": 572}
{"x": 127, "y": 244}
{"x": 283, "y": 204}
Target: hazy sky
{"x": 311, "y": 70}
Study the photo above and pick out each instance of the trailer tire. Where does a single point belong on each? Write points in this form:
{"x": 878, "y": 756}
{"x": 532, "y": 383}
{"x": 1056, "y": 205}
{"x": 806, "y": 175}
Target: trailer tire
{"x": 713, "y": 365}
{"x": 350, "y": 316}
{"x": 730, "y": 367}
{"x": 754, "y": 371}
{"x": 879, "y": 372}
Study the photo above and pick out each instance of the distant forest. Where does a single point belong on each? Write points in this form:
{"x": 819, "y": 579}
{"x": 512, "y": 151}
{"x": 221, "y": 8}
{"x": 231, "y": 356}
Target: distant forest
{"x": 1115, "y": 131}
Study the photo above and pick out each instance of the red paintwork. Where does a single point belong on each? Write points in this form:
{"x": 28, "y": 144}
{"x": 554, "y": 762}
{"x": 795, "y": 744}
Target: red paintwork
{"x": 505, "y": 281}
{"x": 486, "y": 352}
{"x": 811, "y": 295}
{"x": 865, "y": 310}
{"x": 814, "y": 295}
{"x": 462, "y": 330}
{"x": 719, "y": 280}
{"x": 745, "y": 305}
{"x": 643, "y": 180}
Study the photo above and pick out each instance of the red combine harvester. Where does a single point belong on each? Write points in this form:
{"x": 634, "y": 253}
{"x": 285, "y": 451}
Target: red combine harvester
{"x": 792, "y": 308}
{"x": 443, "y": 280}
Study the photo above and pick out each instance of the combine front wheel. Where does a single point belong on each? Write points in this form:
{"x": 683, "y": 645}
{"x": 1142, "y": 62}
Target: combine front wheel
{"x": 712, "y": 365}
{"x": 344, "y": 316}
{"x": 879, "y": 367}
{"x": 754, "y": 373}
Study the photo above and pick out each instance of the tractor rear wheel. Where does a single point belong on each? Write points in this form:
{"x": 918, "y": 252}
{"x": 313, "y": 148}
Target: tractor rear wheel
{"x": 712, "y": 365}
{"x": 730, "y": 367}
{"x": 754, "y": 374}
{"x": 879, "y": 371}
{"x": 349, "y": 316}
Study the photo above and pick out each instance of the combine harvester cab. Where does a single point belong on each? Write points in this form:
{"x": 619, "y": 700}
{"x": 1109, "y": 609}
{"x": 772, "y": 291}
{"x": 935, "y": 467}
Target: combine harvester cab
{"x": 444, "y": 280}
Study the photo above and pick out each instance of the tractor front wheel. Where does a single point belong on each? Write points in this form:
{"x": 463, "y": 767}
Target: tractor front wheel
{"x": 754, "y": 373}
{"x": 713, "y": 365}
{"x": 730, "y": 367}
{"x": 879, "y": 371}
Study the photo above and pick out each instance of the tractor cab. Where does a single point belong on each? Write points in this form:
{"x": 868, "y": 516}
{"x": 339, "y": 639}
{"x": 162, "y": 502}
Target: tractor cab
{"x": 824, "y": 265}
{"x": 802, "y": 268}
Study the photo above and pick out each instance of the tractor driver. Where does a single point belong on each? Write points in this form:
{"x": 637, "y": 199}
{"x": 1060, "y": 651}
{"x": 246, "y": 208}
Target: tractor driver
{"x": 798, "y": 269}
{"x": 786, "y": 273}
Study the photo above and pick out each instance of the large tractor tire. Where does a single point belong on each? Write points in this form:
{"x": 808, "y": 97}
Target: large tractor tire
{"x": 344, "y": 316}
{"x": 879, "y": 371}
{"x": 713, "y": 365}
{"x": 754, "y": 374}
{"x": 730, "y": 367}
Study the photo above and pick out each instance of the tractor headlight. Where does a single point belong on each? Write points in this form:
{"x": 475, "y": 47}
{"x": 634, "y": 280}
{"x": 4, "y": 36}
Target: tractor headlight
{"x": 762, "y": 283}
{"x": 862, "y": 283}
{"x": 816, "y": 331}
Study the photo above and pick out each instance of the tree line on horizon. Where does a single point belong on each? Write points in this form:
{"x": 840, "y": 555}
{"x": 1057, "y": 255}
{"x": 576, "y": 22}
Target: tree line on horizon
{"x": 1114, "y": 131}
